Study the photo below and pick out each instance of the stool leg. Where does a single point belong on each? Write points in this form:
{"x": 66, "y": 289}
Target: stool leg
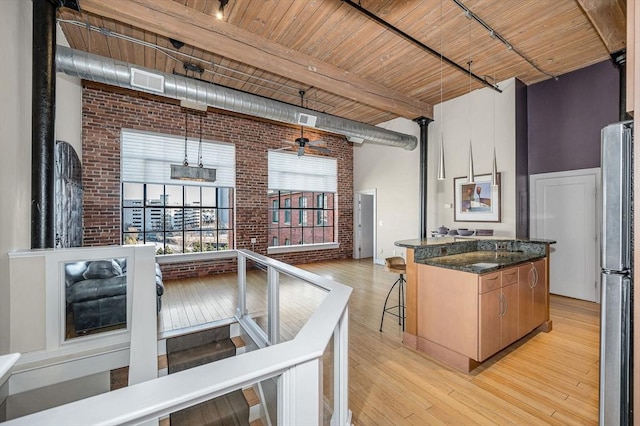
{"x": 401, "y": 305}
{"x": 385, "y": 302}
{"x": 400, "y": 300}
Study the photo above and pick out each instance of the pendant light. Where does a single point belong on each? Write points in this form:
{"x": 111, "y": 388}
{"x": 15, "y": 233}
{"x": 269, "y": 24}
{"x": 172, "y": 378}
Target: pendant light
{"x": 471, "y": 178}
{"x": 186, "y": 172}
{"x": 494, "y": 168}
{"x": 441, "y": 172}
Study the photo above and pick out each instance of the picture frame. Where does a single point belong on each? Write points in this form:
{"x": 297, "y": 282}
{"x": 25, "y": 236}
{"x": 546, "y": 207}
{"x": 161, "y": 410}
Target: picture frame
{"x": 476, "y": 202}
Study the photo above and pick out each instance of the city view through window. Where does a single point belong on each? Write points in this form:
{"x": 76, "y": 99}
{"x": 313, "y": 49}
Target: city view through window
{"x": 298, "y": 218}
{"x": 177, "y": 218}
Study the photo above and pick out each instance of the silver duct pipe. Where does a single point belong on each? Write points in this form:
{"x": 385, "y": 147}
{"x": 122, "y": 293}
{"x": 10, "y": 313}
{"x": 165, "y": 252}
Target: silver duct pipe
{"x": 117, "y": 73}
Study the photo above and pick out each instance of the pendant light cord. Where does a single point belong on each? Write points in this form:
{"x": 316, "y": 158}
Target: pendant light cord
{"x": 469, "y": 102}
{"x": 200, "y": 145}
{"x": 441, "y": 89}
{"x": 186, "y": 116}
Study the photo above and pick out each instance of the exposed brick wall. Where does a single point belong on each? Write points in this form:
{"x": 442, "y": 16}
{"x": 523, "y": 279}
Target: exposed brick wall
{"x": 107, "y": 110}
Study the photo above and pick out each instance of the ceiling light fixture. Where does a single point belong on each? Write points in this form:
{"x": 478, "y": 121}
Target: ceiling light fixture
{"x": 220, "y": 12}
{"x": 193, "y": 173}
{"x": 413, "y": 40}
{"x": 494, "y": 35}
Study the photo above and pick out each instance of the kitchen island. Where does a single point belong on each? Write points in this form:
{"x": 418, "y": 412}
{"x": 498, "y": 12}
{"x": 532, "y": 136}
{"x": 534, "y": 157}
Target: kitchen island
{"x": 469, "y": 298}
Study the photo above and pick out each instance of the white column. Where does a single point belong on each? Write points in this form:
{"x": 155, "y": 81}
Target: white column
{"x": 241, "y": 309}
{"x": 273, "y": 305}
{"x": 300, "y": 395}
{"x": 341, "y": 413}
{"x": 143, "y": 359}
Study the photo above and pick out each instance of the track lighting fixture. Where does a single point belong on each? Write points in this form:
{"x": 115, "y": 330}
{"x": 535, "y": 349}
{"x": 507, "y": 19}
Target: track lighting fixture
{"x": 220, "y": 12}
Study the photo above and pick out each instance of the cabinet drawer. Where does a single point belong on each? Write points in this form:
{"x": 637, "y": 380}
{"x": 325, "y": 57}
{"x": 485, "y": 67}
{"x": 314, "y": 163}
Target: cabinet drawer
{"x": 489, "y": 282}
{"x": 509, "y": 276}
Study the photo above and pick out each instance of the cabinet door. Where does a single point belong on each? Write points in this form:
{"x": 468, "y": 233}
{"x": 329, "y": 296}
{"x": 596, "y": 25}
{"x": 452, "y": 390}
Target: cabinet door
{"x": 490, "y": 309}
{"x": 525, "y": 299}
{"x": 539, "y": 293}
{"x": 509, "y": 323}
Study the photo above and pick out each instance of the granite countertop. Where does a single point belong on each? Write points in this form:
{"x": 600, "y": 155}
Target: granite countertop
{"x": 480, "y": 262}
{"x": 439, "y": 241}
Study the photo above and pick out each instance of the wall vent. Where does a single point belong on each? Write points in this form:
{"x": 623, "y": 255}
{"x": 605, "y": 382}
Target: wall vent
{"x": 307, "y": 120}
{"x": 147, "y": 81}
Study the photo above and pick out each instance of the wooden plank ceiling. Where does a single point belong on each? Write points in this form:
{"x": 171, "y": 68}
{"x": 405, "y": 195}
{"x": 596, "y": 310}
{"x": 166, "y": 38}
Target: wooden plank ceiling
{"x": 349, "y": 65}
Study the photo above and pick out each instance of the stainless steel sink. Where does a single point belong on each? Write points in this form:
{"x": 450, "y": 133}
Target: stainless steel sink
{"x": 484, "y": 265}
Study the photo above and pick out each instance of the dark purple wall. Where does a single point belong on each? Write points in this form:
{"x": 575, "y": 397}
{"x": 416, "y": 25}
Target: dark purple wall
{"x": 566, "y": 116}
{"x": 522, "y": 163}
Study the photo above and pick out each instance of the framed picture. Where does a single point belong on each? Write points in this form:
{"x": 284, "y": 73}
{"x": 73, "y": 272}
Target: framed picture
{"x": 476, "y": 202}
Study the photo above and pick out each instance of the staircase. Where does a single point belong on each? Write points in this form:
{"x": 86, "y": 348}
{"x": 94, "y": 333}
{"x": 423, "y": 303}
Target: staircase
{"x": 187, "y": 348}
{"x": 199, "y": 348}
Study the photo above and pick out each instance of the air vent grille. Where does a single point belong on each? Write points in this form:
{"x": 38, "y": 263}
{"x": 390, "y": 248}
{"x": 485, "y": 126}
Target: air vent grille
{"x": 147, "y": 81}
{"x": 307, "y": 120}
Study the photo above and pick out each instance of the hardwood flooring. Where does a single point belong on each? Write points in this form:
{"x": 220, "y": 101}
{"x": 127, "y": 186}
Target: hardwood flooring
{"x": 545, "y": 378}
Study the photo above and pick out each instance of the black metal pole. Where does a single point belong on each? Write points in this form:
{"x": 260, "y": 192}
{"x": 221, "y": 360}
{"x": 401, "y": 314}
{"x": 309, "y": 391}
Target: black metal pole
{"x": 619, "y": 58}
{"x": 43, "y": 99}
{"x": 423, "y": 122}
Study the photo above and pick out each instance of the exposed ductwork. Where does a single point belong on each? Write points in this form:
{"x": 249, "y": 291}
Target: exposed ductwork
{"x": 117, "y": 73}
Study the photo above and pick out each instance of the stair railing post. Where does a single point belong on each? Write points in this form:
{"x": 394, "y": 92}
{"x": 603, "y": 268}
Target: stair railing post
{"x": 300, "y": 394}
{"x": 341, "y": 413}
{"x": 241, "y": 309}
{"x": 273, "y": 305}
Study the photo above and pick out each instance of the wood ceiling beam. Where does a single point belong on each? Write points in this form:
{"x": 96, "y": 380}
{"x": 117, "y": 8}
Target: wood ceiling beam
{"x": 609, "y": 20}
{"x": 171, "y": 19}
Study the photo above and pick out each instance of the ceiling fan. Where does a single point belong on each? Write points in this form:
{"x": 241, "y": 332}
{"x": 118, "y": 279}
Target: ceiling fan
{"x": 303, "y": 142}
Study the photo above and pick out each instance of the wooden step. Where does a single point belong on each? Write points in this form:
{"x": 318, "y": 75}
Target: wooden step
{"x": 187, "y": 341}
{"x": 199, "y": 355}
{"x": 230, "y": 409}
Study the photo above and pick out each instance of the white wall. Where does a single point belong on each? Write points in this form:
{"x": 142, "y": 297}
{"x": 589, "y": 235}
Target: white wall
{"x": 15, "y": 138}
{"x": 54, "y": 395}
{"x": 68, "y": 105}
{"x": 456, "y": 131}
{"x": 15, "y": 144}
{"x": 394, "y": 174}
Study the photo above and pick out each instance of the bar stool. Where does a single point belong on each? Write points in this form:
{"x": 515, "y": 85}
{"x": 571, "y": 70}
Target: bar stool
{"x": 395, "y": 264}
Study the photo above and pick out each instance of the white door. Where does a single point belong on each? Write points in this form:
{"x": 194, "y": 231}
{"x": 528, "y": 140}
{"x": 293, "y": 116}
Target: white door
{"x": 565, "y": 208}
{"x": 364, "y": 246}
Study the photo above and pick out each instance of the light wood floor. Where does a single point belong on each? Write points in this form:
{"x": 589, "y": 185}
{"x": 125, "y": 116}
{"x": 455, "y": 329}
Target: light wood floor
{"x": 547, "y": 378}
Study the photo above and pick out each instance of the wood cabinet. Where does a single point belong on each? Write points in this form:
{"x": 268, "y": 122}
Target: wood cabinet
{"x": 532, "y": 296}
{"x": 461, "y": 314}
{"x": 497, "y": 312}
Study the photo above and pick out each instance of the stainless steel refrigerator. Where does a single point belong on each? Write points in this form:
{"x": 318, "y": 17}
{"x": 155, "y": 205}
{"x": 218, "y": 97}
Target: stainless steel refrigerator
{"x": 616, "y": 336}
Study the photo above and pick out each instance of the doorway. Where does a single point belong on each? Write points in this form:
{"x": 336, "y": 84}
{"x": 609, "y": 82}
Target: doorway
{"x": 365, "y": 238}
{"x": 565, "y": 207}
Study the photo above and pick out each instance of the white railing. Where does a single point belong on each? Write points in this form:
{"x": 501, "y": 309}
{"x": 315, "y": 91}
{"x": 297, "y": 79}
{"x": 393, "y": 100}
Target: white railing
{"x": 296, "y": 364}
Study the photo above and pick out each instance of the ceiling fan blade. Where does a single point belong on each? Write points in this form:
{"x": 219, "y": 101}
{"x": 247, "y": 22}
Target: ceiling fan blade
{"x": 301, "y": 151}
{"x": 318, "y": 142}
{"x": 320, "y": 148}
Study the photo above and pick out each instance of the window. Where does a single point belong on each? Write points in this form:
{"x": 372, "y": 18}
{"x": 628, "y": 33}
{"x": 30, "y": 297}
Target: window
{"x": 302, "y": 212}
{"x": 321, "y": 211}
{"x": 274, "y": 211}
{"x": 295, "y": 181}
{"x": 287, "y": 211}
{"x": 177, "y": 216}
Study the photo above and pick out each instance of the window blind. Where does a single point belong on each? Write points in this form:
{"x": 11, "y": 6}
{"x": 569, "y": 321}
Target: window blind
{"x": 288, "y": 172}
{"x": 147, "y": 158}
